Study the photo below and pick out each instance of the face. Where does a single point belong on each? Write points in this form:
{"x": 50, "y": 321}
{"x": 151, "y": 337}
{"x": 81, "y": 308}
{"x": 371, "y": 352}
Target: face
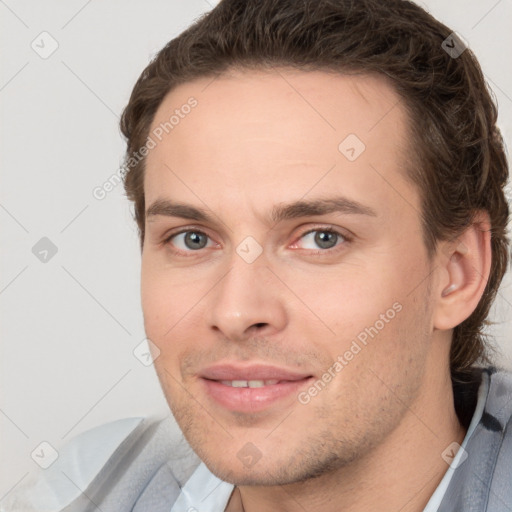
{"x": 284, "y": 277}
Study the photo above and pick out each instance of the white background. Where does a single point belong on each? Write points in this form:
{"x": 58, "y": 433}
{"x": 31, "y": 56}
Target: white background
{"x": 69, "y": 326}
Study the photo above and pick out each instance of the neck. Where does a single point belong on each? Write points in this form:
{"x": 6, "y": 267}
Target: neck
{"x": 402, "y": 472}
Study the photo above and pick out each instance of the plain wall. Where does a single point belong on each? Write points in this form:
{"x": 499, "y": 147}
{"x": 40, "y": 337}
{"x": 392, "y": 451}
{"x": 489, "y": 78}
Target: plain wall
{"x": 70, "y": 324}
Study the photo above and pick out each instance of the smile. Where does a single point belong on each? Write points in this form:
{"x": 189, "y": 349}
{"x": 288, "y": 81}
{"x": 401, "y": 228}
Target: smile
{"x": 248, "y": 383}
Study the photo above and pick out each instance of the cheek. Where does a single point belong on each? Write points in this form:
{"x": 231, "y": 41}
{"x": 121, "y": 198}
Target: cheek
{"x": 154, "y": 302}
{"x": 367, "y": 317}
{"x": 349, "y": 299}
{"x": 169, "y": 318}
{"x": 163, "y": 303}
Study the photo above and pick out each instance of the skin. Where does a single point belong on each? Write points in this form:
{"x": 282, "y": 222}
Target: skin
{"x": 376, "y": 432}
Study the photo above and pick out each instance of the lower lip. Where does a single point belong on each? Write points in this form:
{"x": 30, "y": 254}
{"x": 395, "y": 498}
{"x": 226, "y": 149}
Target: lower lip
{"x": 253, "y": 399}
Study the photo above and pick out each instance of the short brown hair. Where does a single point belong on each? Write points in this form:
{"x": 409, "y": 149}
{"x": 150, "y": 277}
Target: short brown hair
{"x": 460, "y": 163}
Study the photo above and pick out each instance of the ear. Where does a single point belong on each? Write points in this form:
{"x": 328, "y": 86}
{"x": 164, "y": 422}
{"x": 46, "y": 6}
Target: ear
{"x": 464, "y": 265}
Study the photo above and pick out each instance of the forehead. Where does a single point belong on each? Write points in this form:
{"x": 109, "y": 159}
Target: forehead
{"x": 275, "y": 135}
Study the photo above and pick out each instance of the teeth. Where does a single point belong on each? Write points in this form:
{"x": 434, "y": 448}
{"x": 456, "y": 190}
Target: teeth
{"x": 256, "y": 383}
{"x": 248, "y": 383}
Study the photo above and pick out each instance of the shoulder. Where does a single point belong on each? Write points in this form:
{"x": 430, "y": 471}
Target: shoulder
{"x": 481, "y": 479}
{"x": 496, "y": 421}
{"x": 491, "y": 451}
{"x": 497, "y": 413}
{"x": 128, "y": 464}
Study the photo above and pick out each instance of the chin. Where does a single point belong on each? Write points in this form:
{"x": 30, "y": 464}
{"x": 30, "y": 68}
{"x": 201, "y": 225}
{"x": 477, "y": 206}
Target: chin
{"x": 267, "y": 472}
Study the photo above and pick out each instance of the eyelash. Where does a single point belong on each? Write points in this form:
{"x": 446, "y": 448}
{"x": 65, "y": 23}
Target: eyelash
{"x": 345, "y": 239}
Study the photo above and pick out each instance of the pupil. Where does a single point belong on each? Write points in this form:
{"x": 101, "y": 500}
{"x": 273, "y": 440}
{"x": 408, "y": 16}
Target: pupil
{"x": 325, "y": 239}
{"x": 193, "y": 240}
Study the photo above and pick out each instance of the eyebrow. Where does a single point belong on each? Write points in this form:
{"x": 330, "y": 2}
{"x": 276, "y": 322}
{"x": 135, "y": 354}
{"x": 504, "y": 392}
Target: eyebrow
{"x": 279, "y": 213}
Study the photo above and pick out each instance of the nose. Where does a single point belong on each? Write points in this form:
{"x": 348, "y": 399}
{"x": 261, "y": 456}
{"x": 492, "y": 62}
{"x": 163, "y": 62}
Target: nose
{"x": 249, "y": 300}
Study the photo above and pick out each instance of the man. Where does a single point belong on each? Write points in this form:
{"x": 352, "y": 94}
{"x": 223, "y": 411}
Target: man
{"x": 318, "y": 187}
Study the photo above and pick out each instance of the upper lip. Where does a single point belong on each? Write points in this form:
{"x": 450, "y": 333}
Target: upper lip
{"x": 250, "y": 372}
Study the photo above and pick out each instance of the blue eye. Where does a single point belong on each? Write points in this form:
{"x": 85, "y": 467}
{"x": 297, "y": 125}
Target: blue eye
{"x": 323, "y": 239}
{"x": 319, "y": 240}
{"x": 189, "y": 240}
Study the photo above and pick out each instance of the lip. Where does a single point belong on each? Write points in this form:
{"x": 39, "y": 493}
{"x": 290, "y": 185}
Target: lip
{"x": 250, "y": 372}
{"x": 247, "y": 399}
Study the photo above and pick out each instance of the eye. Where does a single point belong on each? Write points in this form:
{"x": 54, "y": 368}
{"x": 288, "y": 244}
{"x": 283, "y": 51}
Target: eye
{"x": 187, "y": 241}
{"x": 324, "y": 239}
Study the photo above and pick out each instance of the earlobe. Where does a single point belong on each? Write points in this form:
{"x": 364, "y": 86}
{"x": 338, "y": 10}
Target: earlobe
{"x": 464, "y": 267}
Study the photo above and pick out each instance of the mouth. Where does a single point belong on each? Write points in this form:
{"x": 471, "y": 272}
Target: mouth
{"x": 252, "y": 388}
{"x": 249, "y": 383}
